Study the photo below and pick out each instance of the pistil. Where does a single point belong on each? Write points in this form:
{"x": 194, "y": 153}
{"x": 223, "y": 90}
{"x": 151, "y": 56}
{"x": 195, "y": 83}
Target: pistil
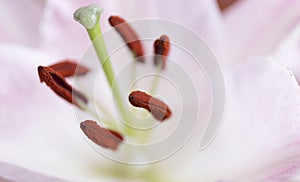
{"x": 89, "y": 17}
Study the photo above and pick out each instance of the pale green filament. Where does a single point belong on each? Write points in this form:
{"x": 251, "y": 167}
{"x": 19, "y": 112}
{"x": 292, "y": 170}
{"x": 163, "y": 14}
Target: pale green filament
{"x": 133, "y": 74}
{"x": 155, "y": 80}
{"x": 106, "y": 121}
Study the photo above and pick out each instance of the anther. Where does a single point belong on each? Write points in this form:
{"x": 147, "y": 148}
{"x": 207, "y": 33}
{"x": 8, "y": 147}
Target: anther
{"x": 158, "y": 109}
{"x": 69, "y": 68}
{"x": 129, "y": 36}
{"x": 59, "y": 85}
{"x": 103, "y": 137}
{"x": 161, "y": 50}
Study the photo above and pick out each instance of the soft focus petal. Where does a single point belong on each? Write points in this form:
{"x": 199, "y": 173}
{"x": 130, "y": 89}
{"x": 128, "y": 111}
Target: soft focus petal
{"x": 260, "y": 131}
{"x": 288, "y": 53}
{"x": 10, "y": 173}
{"x": 61, "y": 35}
{"x": 259, "y": 138}
{"x": 70, "y": 38}
{"x": 202, "y": 16}
{"x": 38, "y": 130}
{"x": 13, "y": 173}
{"x": 284, "y": 171}
{"x": 35, "y": 124}
{"x": 261, "y": 119}
{"x": 256, "y": 27}
{"x": 20, "y": 20}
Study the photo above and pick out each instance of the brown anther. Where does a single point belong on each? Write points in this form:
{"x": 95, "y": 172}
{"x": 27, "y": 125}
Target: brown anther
{"x": 161, "y": 50}
{"x": 158, "y": 109}
{"x": 129, "y": 36}
{"x": 103, "y": 137}
{"x": 59, "y": 85}
{"x": 224, "y": 4}
{"x": 68, "y": 68}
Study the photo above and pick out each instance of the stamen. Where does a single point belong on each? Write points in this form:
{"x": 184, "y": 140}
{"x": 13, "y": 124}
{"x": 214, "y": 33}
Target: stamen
{"x": 68, "y": 68}
{"x": 103, "y": 137}
{"x": 129, "y": 36}
{"x": 59, "y": 85}
{"x": 158, "y": 109}
{"x": 161, "y": 50}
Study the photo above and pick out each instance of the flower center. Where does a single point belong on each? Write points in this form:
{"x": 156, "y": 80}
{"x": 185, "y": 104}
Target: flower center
{"x": 110, "y": 134}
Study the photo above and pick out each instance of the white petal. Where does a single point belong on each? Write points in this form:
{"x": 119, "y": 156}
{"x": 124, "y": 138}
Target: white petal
{"x": 261, "y": 121}
{"x": 260, "y": 131}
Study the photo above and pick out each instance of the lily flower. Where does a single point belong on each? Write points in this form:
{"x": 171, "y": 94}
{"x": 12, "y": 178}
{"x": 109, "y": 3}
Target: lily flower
{"x": 259, "y": 137}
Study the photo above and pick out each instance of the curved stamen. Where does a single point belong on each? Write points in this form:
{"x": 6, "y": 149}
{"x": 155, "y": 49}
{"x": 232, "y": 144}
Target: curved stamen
{"x": 60, "y": 86}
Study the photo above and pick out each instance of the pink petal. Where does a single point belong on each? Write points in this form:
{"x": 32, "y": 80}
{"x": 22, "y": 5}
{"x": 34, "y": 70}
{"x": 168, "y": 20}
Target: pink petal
{"x": 288, "y": 53}
{"x": 283, "y": 172}
{"x": 257, "y": 27}
{"x": 20, "y": 21}
{"x": 261, "y": 119}
{"x": 61, "y": 35}
{"x": 202, "y": 16}
{"x": 13, "y": 173}
{"x": 9, "y": 173}
{"x": 38, "y": 130}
